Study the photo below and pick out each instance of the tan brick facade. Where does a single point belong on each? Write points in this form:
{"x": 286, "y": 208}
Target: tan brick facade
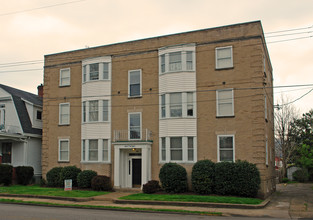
{"x": 248, "y": 79}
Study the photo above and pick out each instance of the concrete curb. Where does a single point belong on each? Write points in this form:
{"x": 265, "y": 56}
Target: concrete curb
{"x": 193, "y": 204}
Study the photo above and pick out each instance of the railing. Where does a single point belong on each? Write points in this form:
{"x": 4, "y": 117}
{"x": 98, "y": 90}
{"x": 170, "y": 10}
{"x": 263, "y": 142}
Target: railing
{"x": 11, "y": 129}
{"x": 132, "y": 135}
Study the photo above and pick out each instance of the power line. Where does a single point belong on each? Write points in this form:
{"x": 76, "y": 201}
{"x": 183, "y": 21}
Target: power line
{"x": 43, "y": 7}
{"x": 288, "y": 30}
{"x": 278, "y": 106}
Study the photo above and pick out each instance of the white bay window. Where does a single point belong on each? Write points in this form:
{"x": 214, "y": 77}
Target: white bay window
{"x": 95, "y": 111}
{"x": 95, "y": 150}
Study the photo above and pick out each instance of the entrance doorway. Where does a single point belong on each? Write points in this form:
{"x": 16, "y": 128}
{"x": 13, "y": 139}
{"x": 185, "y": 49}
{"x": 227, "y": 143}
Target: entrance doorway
{"x": 136, "y": 172}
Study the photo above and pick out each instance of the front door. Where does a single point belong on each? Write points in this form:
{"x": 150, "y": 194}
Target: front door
{"x": 136, "y": 172}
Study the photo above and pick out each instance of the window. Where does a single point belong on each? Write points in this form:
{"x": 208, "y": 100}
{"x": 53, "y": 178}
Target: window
{"x": 176, "y": 148}
{"x": 65, "y": 77}
{"x": 175, "y": 61}
{"x": 177, "y": 58}
{"x": 105, "y": 150}
{"x": 64, "y": 150}
{"x": 134, "y": 82}
{"x": 96, "y": 69}
{"x": 39, "y": 115}
{"x": 2, "y": 117}
{"x": 224, "y": 57}
{"x": 105, "y": 109}
{"x": 97, "y": 110}
{"x": 134, "y": 126}
{"x": 190, "y": 149}
{"x": 175, "y": 104}
{"x": 6, "y": 152}
{"x": 163, "y": 109}
{"x": 64, "y": 113}
{"x": 93, "y": 110}
{"x": 93, "y": 150}
{"x": 226, "y": 146}
{"x": 225, "y": 103}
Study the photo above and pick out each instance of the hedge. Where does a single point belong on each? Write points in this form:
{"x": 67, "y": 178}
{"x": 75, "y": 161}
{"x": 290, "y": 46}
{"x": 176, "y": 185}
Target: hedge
{"x": 202, "y": 177}
{"x": 101, "y": 183}
{"x": 24, "y": 174}
{"x": 6, "y": 172}
{"x": 53, "y": 177}
{"x": 173, "y": 178}
{"x": 84, "y": 178}
{"x": 69, "y": 172}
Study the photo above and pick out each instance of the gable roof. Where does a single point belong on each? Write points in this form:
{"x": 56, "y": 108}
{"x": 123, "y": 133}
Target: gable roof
{"x": 18, "y": 97}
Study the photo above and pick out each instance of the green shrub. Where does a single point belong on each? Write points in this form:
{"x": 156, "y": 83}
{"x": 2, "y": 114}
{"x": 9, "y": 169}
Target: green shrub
{"x": 24, "y": 174}
{"x": 311, "y": 174}
{"x": 173, "y": 178}
{"x": 150, "y": 187}
{"x": 101, "y": 183}
{"x": 238, "y": 179}
{"x": 202, "y": 177}
{"x": 247, "y": 179}
{"x": 69, "y": 172}
{"x": 301, "y": 175}
{"x": 6, "y": 174}
{"x": 53, "y": 177}
{"x": 285, "y": 180}
{"x": 43, "y": 182}
{"x": 84, "y": 178}
{"x": 224, "y": 178}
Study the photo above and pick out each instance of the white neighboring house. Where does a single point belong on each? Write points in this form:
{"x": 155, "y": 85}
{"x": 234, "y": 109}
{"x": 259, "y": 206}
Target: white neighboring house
{"x": 20, "y": 128}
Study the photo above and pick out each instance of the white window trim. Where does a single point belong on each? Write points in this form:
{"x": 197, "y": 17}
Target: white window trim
{"x": 68, "y": 159}
{"x": 69, "y": 113}
{"x": 217, "y": 103}
{"x": 99, "y": 60}
{"x": 100, "y": 111}
{"x": 231, "y": 58}
{"x": 100, "y": 151}
{"x": 178, "y": 48}
{"x": 60, "y": 79}
{"x": 133, "y": 113}
{"x": 184, "y": 150}
{"x": 218, "y": 146}
{"x": 140, "y": 74}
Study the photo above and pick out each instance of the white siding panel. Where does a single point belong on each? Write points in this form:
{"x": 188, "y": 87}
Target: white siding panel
{"x": 177, "y": 82}
{"x": 34, "y": 155}
{"x": 178, "y": 127}
{"x": 96, "y": 89}
{"x": 96, "y": 131}
{"x": 12, "y": 122}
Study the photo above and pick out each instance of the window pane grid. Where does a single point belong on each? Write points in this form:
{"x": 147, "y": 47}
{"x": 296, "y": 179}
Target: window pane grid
{"x": 105, "y": 110}
{"x": 93, "y": 110}
{"x": 94, "y": 71}
{"x": 176, "y": 105}
{"x": 176, "y": 148}
{"x": 105, "y": 150}
{"x": 134, "y": 83}
{"x": 224, "y": 57}
{"x": 226, "y": 148}
{"x": 175, "y": 62}
{"x": 64, "y": 151}
{"x": 105, "y": 70}
{"x": 134, "y": 126}
{"x": 93, "y": 150}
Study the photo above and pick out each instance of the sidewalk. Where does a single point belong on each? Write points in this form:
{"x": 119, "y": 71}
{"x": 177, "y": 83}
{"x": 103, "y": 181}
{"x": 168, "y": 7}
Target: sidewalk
{"x": 290, "y": 201}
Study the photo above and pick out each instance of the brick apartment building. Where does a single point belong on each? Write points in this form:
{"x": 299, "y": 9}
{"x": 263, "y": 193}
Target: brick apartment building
{"x": 125, "y": 109}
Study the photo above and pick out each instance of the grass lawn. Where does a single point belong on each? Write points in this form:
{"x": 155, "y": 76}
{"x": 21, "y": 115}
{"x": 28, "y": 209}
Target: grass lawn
{"x": 193, "y": 198}
{"x": 45, "y": 191}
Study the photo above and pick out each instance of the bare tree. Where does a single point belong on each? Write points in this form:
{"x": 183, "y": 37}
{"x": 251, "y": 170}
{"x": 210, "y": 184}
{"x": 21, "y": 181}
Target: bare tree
{"x": 284, "y": 145}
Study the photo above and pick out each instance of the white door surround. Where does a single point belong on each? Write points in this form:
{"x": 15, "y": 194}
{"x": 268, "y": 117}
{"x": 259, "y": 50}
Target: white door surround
{"x": 124, "y": 152}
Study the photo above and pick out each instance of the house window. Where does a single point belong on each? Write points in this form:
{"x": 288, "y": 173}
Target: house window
{"x": 93, "y": 110}
{"x": 105, "y": 71}
{"x": 105, "y": 110}
{"x": 39, "y": 115}
{"x": 226, "y": 147}
{"x": 190, "y": 149}
{"x": 175, "y": 61}
{"x": 163, "y": 149}
{"x": 177, "y": 58}
{"x": 6, "y": 152}
{"x": 2, "y": 117}
{"x": 163, "y": 107}
{"x": 105, "y": 150}
{"x": 175, "y": 104}
{"x": 224, "y": 57}
{"x": 64, "y": 113}
{"x": 84, "y": 111}
{"x": 176, "y": 148}
{"x": 93, "y": 150}
{"x": 134, "y": 125}
{"x": 134, "y": 82}
{"x": 64, "y": 150}
{"x": 224, "y": 103}
{"x": 84, "y": 73}
{"x": 65, "y": 77}
{"x": 94, "y": 71}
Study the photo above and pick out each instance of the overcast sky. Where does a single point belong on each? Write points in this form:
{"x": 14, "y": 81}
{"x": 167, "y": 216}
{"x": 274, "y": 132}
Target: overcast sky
{"x": 31, "y": 29}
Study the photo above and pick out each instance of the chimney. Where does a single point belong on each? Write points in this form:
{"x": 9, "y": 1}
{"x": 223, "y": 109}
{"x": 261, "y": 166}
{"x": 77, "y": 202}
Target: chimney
{"x": 40, "y": 90}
